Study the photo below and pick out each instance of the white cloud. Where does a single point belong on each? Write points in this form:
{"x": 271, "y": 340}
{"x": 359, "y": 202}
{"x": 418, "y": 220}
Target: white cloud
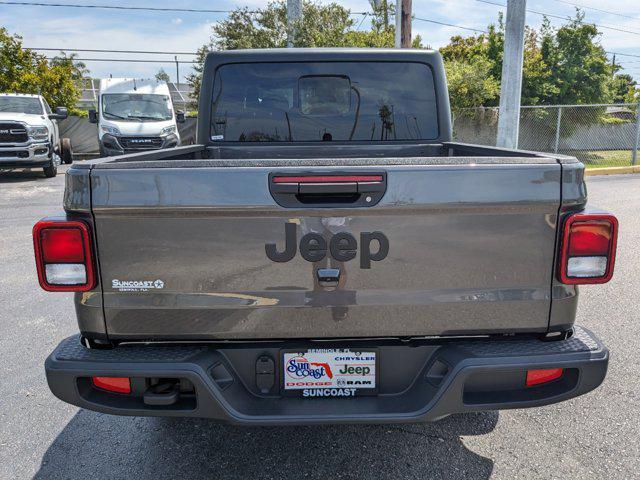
{"x": 94, "y": 33}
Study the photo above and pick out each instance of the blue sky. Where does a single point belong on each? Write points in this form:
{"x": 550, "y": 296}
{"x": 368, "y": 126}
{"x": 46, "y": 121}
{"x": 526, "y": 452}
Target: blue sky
{"x": 184, "y": 32}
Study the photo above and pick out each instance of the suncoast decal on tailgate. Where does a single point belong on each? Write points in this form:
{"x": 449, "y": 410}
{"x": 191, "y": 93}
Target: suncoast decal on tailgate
{"x": 137, "y": 285}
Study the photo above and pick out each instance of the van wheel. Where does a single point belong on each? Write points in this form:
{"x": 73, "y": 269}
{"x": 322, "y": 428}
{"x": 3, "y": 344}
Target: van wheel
{"x": 66, "y": 152}
{"x": 51, "y": 170}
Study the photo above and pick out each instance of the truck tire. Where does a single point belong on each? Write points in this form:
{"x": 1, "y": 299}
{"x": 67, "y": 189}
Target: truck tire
{"x": 66, "y": 152}
{"x": 51, "y": 170}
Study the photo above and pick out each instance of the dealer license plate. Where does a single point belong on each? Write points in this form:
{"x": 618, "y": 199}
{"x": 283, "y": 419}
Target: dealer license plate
{"x": 330, "y": 372}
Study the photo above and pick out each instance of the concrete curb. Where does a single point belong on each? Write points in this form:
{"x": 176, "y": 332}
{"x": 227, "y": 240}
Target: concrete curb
{"x": 590, "y": 172}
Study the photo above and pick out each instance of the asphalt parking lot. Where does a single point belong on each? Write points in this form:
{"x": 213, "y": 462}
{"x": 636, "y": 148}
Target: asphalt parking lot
{"x": 594, "y": 436}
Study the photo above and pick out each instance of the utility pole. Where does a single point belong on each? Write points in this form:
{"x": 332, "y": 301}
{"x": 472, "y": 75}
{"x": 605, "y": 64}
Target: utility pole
{"x": 405, "y": 34}
{"x": 634, "y": 155}
{"x": 511, "y": 85}
{"x": 398, "y": 34}
{"x": 177, "y": 73}
{"x": 294, "y": 14}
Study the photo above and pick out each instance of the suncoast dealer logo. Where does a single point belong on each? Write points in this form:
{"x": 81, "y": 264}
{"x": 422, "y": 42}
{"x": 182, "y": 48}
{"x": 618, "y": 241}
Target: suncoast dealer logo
{"x": 136, "y": 285}
{"x": 300, "y": 367}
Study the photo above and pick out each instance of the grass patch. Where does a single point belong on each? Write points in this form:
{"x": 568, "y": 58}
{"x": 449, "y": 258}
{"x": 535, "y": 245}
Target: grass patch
{"x": 605, "y": 158}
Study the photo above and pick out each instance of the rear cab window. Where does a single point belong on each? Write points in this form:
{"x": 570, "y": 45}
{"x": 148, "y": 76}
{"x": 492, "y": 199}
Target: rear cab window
{"x": 324, "y": 101}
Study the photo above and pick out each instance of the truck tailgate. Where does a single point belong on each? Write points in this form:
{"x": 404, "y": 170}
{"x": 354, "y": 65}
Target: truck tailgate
{"x": 182, "y": 252}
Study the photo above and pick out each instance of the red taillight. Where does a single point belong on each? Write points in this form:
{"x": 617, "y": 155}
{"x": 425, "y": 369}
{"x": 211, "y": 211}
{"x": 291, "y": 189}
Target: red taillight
{"x": 63, "y": 256}
{"x": 590, "y": 238}
{"x": 588, "y": 249}
{"x": 62, "y": 245}
{"x": 536, "y": 377}
{"x": 113, "y": 384}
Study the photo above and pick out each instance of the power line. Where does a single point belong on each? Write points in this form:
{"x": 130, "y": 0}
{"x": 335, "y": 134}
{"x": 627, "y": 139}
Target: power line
{"x": 191, "y": 10}
{"x": 449, "y": 24}
{"x": 598, "y": 10}
{"x": 116, "y": 7}
{"x": 563, "y": 17}
{"x": 624, "y": 54}
{"x": 129, "y": 60}
{"x": 95, "y": 50}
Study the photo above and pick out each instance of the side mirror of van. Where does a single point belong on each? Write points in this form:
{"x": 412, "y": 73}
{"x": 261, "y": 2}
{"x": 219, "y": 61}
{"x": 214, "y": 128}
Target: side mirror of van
{"x": 60, "y": 114}
{"x": 93, "y": 116}
{"x": 180, "y": 118}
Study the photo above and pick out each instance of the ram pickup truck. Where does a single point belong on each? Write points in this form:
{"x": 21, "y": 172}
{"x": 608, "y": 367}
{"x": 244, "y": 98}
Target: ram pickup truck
{"x": 326, "y": 253}
{"x": 29, "y": 134}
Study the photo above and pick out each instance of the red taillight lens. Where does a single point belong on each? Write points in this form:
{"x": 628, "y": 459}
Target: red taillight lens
{"x": 588, "y": 249}
{"x": 63, "y": 256}
{"x": 62, "y": 245}
{"x": 536, "y": 377}
{"x": 590, "y": 237}
{"x": 113, "y": 384}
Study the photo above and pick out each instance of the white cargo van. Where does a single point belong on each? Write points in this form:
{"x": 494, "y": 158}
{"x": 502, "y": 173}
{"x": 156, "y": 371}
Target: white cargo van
{"x": 135, "y": 115}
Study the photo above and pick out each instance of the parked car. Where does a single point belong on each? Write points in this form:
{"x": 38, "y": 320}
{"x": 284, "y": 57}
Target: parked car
{"x": 29, "y": 134}
{"x": 325, "y": 254}
{"x": 135, "y": 115}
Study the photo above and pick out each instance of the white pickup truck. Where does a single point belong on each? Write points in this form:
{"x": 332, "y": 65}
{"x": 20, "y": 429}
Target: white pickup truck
{"x": 29, "y": 134}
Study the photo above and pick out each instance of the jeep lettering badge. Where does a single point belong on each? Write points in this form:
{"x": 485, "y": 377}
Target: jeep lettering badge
{"x": 343, "y": 247}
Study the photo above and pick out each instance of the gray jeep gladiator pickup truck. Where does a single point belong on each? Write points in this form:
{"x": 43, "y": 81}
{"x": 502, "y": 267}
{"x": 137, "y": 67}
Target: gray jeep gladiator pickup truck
{"x": 325, "y": 254}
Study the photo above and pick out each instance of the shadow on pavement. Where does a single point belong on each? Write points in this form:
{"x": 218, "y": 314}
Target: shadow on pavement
{"x": 10, "y": 176}
{"x": 100, "y": 446}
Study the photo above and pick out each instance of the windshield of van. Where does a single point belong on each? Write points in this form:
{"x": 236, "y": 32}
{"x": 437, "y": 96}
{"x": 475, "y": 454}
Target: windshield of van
{"x": 324, "y": 101}
{"x": 136, "y": 107}
{"x": 29, "y": 105}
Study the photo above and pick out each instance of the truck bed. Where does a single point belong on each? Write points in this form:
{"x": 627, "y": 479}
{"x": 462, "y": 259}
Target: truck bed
{"x": 472, "y": 234}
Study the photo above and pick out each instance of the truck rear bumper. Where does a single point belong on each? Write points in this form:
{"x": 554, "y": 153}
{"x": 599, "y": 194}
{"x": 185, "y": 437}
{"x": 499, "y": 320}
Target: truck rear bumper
{"x": 419, "y": 383}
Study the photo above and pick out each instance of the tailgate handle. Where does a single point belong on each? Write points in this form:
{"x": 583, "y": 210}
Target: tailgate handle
{"x": 327, "y": 189}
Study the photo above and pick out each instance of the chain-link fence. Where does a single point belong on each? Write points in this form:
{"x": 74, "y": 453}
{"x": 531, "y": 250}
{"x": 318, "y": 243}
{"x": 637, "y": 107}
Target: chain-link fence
{"x": 603, "y": 135}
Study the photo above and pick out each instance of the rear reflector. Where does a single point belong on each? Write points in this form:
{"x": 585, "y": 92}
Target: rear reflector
{"x": 63, "y": 256}
{"x": 536, "y": 377}
{"x": 588, "y": 249}
{"x": 113, "y": 384}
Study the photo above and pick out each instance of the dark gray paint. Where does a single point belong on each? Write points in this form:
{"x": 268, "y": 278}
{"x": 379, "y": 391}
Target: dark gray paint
{"x": 472, "y": 232}
{"x": 471, "y": 250}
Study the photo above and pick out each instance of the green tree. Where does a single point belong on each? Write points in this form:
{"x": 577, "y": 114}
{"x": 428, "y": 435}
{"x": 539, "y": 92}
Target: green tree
{"x": 578, "y": 64}
{"x": 471, "y": 83}
{"x": 561, "y": 66}
{"x": 22, "y": 70}
{"x": 621, "y": 86}
{"x": 536, "y": 81}
{"x": 163, "y": 76}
